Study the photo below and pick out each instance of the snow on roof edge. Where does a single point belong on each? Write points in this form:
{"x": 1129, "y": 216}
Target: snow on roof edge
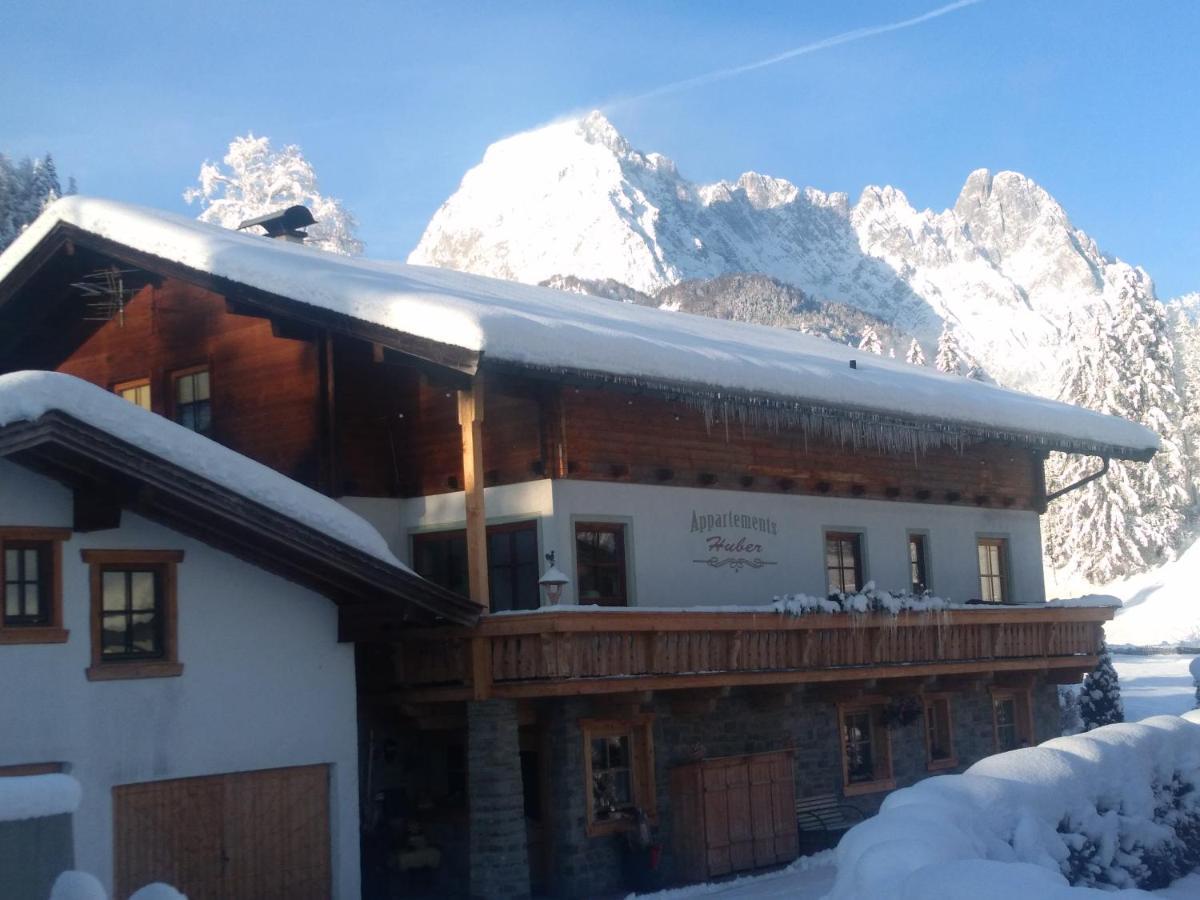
{"x": 543, "y": 328}
{"x": 26, "y": 396}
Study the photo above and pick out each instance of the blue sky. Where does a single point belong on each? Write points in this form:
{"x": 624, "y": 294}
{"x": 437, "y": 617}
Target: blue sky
{"x": 1097, "y": 101}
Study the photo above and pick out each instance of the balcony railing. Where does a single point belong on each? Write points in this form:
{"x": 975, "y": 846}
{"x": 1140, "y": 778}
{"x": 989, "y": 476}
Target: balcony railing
{"x": 587, "y": 651}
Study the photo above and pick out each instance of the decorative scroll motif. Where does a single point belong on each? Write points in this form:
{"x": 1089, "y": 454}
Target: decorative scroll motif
{"x": 736, "y": 563}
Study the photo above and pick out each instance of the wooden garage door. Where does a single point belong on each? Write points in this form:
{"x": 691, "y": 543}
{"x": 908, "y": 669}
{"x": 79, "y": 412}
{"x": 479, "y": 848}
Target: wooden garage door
{"x": 246, "y": 836}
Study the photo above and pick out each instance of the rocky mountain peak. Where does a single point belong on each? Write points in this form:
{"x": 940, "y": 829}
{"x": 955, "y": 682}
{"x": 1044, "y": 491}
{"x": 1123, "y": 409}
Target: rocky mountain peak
{"x": 576, "y": 199}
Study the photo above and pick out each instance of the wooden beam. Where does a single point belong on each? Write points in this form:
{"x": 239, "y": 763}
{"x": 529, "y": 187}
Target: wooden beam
{"x": 553, "y": 420}
{"x": 328, "y": 413}
{"x": 470, "y": 420}
{"x": 481, "y": 668}
{"x": 96, "y": 509}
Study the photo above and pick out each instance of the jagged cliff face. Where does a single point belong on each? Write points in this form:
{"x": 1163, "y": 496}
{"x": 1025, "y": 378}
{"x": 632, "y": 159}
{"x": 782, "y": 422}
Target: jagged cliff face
{"x": 1004, "y": 265}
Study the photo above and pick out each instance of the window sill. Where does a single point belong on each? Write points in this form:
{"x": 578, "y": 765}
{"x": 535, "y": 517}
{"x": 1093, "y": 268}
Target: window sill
{"x": 33, "y": 634}
{"x": 614, "y": 826}
{"x": 117, "y": 671}
{"x": 939, "y": 765}
{"x": 869, "y": 787}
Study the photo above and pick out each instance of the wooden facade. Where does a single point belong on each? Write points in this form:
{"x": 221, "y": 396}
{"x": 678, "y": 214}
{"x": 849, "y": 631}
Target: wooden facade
{"x": 344, "y": 415}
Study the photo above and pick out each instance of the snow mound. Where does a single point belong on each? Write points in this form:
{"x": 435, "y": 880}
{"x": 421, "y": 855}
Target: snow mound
{"x": 555, "y": 330}
{"x": 1159, "y": 606}
{"x": 157, "y": 891}
{"x": 1114, "y": 809}
{"x": 37, "y": 796}
{"x": 77, "y": 886}
{"x": 26, "y": 396}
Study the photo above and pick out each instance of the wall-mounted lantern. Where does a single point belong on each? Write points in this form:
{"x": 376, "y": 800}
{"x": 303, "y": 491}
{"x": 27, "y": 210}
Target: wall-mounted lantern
{"x": 552, "y": 582}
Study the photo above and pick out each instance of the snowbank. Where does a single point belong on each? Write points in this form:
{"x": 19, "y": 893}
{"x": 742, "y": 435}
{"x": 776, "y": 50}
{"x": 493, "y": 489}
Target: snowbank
{"x": 1115, "y": 808}
{"x": 37, "y": 796}
{"x": 557, "y": 330}
{"x": 77, "y": 886}
{"x": 1158, "y": 606}
{"x": 26, "y": 396}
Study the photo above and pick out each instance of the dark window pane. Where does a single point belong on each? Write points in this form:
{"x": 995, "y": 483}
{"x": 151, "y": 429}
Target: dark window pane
{"x": 144, "y": 633}
{"x": 112, "y": 634}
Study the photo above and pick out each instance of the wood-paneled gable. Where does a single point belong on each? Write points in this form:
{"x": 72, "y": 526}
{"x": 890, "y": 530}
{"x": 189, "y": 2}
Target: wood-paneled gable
{"x": 265, "y": 388}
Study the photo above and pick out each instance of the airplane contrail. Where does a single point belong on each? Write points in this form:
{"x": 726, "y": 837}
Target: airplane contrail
{"x": 846, "y": 37}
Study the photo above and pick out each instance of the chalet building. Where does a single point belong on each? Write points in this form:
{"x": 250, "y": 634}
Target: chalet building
{"x": 621, "y": 493}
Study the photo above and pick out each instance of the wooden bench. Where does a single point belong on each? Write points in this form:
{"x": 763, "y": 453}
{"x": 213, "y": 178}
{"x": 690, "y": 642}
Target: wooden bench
{"x": 826, "y": 814}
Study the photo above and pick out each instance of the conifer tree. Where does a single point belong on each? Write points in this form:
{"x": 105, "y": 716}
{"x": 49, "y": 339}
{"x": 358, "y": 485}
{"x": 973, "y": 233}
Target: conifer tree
{"x": 1100, "y": 699}
{"x": 915, "y": 355}
{"x": 257, "y": 180}
{"x": 1135, "y": 516}
{"x": 27, "y": 187}
{"x": 870, "y": 341}
{"x": 949, "y": 357}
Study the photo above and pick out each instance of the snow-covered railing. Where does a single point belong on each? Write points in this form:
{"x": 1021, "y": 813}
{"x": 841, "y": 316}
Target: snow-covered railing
{"x": 598, "y": 650}
{"x": 873, "y": 600}
{"x": 1118, "y": 807}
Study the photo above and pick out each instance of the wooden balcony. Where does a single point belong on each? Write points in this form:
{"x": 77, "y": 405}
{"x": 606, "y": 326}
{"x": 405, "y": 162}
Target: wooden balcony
{"x": 593, "y": 651}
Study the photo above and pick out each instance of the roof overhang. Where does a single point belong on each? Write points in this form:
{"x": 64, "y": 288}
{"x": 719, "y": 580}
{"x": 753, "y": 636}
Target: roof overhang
{"x": 108, "y": 475}
{"x": 19, "y": 313}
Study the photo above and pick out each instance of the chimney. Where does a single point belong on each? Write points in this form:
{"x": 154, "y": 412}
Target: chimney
{"x": 285, "y": 224}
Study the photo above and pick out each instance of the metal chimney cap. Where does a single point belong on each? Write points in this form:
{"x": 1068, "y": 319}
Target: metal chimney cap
{"x": 284, "y": 222}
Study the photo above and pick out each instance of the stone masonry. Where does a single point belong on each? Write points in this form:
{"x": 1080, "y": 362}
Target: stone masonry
{"x": 498, "y": 842}
{"x": 743, "y": 721}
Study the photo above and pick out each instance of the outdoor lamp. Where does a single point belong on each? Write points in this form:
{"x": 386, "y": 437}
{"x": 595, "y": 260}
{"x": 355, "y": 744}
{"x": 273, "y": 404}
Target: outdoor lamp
{"x": 552, "y": 582}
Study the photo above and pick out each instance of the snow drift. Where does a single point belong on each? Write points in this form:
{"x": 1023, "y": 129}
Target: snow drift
{"x": 37, "y": 796}
{"x": 1117, "y": 808}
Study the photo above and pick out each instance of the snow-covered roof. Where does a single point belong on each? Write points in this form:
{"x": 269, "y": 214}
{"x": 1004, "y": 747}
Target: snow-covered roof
{"x": 27, "y": 396}
{"x": 548, "y": 329}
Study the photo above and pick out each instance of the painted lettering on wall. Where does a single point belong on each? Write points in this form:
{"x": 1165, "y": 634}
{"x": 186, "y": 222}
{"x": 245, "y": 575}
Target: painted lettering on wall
{"x": 726, "y": 548}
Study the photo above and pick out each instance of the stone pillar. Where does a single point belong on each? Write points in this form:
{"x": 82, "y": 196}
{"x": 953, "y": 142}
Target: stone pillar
{"x": 496, "y": 803}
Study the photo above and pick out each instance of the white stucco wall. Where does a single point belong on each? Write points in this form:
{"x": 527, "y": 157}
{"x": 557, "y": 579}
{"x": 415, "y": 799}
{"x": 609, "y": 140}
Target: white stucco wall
{"x": 663, "y": 548}
{"x": 265, "y": 683}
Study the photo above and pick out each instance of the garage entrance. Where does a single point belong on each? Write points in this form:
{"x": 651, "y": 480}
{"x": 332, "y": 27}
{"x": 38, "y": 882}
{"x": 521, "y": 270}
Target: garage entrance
{"x": 243, "y": 836}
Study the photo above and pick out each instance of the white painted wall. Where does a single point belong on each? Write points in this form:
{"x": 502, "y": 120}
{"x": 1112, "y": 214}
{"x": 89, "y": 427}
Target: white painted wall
{"x": 663, "y": 548}
{"x": 265, "y": 683}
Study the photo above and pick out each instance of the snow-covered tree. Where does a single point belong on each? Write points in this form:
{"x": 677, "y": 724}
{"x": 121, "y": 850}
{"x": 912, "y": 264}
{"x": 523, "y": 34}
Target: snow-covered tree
{"x": 27, "y": 187}
{"x": 870, "y": 341}
{"x": 915, "y": 355}
{"x": 949, "y": 357}
{"x": 1122, "y": 364}
{"x": 1194, "y": 668}
{"x": 1100, "y": 699}
{"x": 257, "y": 179}
{"x": 1069, "y": 719}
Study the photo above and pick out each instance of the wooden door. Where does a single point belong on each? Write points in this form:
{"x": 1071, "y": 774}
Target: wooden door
{"x": 242, "y": 836}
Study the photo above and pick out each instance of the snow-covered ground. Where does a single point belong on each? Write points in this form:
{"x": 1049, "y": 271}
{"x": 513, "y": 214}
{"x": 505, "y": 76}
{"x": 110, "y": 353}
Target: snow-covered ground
{"x": 808, "y": 878}
{"x": 1154, "y": 685}
{"x": 1160, "y": 606}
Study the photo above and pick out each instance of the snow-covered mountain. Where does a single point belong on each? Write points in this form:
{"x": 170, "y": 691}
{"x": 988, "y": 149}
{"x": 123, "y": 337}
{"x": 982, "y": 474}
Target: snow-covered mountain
{"x": 1004, "y": 265}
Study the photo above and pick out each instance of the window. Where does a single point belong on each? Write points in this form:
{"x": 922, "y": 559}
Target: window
{"x": 843, "y": 561}
{"x": 133, "y": 613}
{"x": 513, "y": 570}
{"x": 993, "y": 570}
{"x": 193, "y": 404}
{"x": 31, "y": 579}
{"x": 136, "y": 392}
{"x": 866, "y": 749}
{"x": 918, "y": 567}
{"x": 600, "y": 563}
{"x": 619, "y": 773}
{"x": 939, "y": 734}
{"x": 1011, "y": 722}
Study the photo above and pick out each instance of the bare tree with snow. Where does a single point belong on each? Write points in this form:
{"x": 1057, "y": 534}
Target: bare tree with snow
{"x": 257, "y": 179}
